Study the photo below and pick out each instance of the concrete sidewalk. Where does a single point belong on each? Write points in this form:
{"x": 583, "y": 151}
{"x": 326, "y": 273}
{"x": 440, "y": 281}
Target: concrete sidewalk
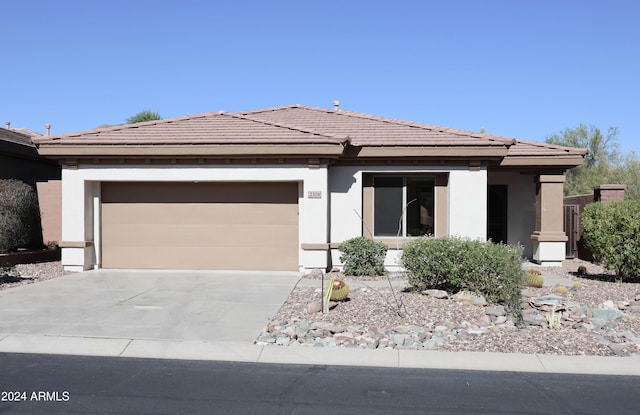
{"x": 206, "y": 315}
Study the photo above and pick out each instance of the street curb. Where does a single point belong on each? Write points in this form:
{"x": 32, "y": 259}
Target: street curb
{"x": 302, "y": 355}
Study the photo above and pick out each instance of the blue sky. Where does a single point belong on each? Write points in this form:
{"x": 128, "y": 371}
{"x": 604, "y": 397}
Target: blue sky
{"x": 523, "y": 69}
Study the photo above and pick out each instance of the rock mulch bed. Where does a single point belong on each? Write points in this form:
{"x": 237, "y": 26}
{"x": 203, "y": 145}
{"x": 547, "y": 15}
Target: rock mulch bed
{"x": 22, "y": 274}
{"x": 597, "y": 316}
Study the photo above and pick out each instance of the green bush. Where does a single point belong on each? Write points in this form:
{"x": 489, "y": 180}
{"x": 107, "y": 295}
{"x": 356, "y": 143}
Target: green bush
{"x": 610, "y": 231}
{"x": 19, "y": 216}
{"x": 363, "y": 256}
{"x": 454, "y": 264}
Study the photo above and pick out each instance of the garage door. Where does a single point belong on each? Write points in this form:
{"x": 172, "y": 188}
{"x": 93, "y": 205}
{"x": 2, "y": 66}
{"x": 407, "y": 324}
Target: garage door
{"x": 240, "y": 226}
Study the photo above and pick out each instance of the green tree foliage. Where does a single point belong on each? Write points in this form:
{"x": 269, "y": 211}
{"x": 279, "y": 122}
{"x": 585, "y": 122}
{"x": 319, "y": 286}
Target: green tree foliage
{"x": 602, "y": 148}
{"x": 19, "y": 216}
{"x": 611, "y": 232}
{"x": 603, "y": 165}
{"x": 143, "y": 116}
{"x": 627, "y": 171}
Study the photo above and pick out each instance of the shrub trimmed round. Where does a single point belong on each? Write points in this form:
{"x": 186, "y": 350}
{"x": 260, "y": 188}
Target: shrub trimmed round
{"x": 363, "y": 257}
{"x": 454, "y": 264}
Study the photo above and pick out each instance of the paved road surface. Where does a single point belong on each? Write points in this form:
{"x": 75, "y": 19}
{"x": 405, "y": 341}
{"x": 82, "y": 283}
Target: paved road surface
{"x": 55, "y": 384}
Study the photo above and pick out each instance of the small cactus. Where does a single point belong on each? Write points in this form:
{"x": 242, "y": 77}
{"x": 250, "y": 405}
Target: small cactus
{"x": 340, "y": 291}
{"x": 582, "y": 270}
{"x": 533, "y": 278}
{"x": 562, "y": 290}
{"x": 577, "y": 285}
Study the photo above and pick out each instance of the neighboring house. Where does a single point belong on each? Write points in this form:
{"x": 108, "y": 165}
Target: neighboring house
{"x": 281, "y": 188}
{"x": 20, "y": 160}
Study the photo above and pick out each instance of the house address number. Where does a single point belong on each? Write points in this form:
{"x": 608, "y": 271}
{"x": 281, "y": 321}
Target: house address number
{"x": 314, "y": 194}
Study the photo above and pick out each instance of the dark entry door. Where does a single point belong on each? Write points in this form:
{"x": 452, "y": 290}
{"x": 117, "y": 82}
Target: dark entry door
{"x": 497, "y": 213}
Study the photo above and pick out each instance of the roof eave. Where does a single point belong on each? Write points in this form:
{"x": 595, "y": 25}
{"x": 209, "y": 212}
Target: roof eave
{"x": 568, "y": 161}
{"x": 182, "y": 150}
{"x": 449, "y": 151}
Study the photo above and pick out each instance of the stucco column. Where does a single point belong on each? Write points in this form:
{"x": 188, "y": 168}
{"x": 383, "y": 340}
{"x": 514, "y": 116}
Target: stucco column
{"x": 77, "y": 246}
{"x": 549, "y": 238}
{"x": 314, "y": 208}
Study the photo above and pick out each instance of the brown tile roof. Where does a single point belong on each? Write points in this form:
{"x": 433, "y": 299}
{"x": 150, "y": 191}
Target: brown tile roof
{"x": 209, "y": 128}
{"x": 16, "y": 137}
{"x": 533, "y": 148}
{"x": 298, "y": 124}
{"x": 370, "y": 130}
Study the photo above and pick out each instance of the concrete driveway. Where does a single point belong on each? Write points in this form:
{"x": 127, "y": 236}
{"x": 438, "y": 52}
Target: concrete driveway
{"x": 212, "y": 306}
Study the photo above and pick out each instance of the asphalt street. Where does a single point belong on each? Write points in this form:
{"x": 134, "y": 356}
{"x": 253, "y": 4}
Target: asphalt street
{"x": 57, "y": 384}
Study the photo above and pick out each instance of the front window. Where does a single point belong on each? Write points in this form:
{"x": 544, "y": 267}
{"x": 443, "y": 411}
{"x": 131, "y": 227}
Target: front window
{"x": 403, "y": 206}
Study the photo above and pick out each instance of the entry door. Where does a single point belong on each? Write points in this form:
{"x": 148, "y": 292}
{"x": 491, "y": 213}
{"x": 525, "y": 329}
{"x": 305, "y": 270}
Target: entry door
{"x": 497, "y": 213}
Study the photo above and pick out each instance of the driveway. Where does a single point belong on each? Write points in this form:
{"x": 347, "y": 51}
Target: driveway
{"x": 229, "y": 306}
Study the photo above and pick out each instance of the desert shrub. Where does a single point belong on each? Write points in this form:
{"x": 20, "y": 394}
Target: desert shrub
{"x": 611, "y": 232}
{"x": 454, "y": 264}
{"x": 19, "y": 216}
{"x": 363, "y": 256}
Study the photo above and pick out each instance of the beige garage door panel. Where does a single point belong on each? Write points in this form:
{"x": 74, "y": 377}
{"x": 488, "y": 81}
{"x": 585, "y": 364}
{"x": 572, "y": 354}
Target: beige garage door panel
{"x": 203, "y": 213}
{"x": 187, "y": 235}
{"x": 207, "y": 258}
{"x": 200, "y": 225}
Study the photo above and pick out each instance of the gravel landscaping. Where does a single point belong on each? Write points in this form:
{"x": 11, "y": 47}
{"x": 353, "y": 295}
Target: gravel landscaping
{"x": 599, "y": 316}
{"x": 23, "y": 274}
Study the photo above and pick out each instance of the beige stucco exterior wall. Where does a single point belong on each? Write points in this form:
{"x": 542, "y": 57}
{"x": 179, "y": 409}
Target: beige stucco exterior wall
{"x": 50, "y": 201}
{"x": 521, "y": 206}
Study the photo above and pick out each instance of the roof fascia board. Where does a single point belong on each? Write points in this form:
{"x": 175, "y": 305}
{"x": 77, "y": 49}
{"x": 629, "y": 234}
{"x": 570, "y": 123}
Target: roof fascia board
{"x": 457, "y": 152}
{"x": 524, "y": 161}
{"x": 190, "y": 150}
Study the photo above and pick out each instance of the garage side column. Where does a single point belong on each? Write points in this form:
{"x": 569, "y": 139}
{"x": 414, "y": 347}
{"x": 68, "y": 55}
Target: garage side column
{"x": 314, "y": 214}
{"x": 77, "y": 245}
{"x": 549, "y": 238}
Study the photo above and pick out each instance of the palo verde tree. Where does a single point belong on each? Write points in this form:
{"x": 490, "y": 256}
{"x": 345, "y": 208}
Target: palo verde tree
{"x": 597, "y": 167}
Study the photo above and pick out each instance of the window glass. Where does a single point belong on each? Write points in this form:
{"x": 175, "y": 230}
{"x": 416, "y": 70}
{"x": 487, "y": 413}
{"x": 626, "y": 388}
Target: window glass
{"x": 419, "y": 215}
{"x": 403, "y": 206}
{"x": 387, "y": 205}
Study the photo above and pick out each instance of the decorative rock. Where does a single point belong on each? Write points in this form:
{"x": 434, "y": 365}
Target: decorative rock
{"x": 265, "y": 339}
{"x": 283, "y": 341}
{"x": 608, "y": 314}
{"x": 467, "y": 297}
{"x": 314, "y": 307}
{"x": 440, "y": 294}
{"x": 501, "y": 320}
{"x": 485, "y": 320}
{"x": 622, "y": 305}
{"x": 315, "y": 273}
{"x": 550, "y": 299}
{"x": 496, "y": 311}
{"x": 434, "y": 343}
{"x": 533, "y": 318}
{"x": 610, "y": 305}
{"x": 401, "y": 329}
